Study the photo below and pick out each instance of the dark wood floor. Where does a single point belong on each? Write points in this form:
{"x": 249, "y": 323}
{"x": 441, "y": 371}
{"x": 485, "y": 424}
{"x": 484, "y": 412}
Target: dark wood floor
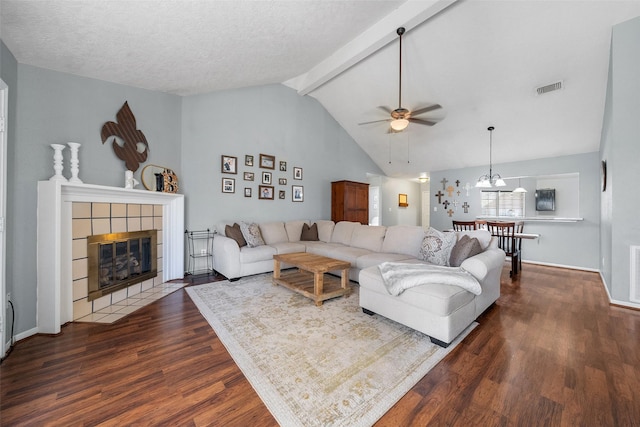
{"x": 550, "y": 352}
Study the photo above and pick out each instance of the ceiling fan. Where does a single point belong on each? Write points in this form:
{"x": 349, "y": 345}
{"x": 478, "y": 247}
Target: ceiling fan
{"x": 400, "y": 117}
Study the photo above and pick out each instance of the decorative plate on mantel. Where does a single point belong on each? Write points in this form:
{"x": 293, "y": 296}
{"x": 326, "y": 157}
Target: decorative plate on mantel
{"x": 159, "y": 178}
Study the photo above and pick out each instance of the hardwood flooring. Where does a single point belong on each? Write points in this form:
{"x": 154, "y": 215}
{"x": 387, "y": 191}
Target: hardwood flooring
{"x": 550, "y": 352}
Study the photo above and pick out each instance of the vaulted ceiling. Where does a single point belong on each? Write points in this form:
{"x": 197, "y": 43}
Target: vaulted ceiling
{"x": 481, "y": 60}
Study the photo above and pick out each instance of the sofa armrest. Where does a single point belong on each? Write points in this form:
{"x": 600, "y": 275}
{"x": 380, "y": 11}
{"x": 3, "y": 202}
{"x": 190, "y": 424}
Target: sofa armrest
{"x": 480, "y": 265}
{"x": 226, "y": 256}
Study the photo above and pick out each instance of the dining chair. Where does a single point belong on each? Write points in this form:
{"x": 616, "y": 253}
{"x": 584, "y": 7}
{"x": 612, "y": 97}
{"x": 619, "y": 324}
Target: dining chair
{"x": 505, "y": 233}
{"x": 519, "y": 230}
{"x": 464, "y": 225}
{"x": 481, "y": 224}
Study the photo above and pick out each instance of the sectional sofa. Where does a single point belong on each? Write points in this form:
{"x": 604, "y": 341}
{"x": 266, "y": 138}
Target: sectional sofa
{"x": 439, "y": 310}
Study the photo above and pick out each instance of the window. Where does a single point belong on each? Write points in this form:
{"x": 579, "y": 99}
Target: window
{"x": 502, "y": 203}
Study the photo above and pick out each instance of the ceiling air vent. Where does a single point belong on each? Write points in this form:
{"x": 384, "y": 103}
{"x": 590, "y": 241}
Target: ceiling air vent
{"x": 549, "y": 88}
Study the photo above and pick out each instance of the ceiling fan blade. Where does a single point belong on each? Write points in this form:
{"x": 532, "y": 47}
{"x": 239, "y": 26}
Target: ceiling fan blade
{"x": 374, "y": 121}
{"x": 385, "y": 109}
{"x": 422, "y": 122}
{"x": 426, "y": 109}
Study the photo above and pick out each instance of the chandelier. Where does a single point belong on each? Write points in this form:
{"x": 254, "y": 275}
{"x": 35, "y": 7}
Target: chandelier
{"x": 490, "y": 180}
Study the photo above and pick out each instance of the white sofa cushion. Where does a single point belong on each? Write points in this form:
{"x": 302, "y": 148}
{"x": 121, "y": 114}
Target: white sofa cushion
{"x": 376, "y": 258}
{"x": 259, "y": 253}
{"x": 288, "y": 247}
{"x": 436, "y": 246}
{"x": 368, "y": 237}
{"x": 325, "y": 230}
{"x": 294, "y": 229}
{"x": 343, "y": 231}
{"x": 274, "y": 232}
{"x": 403, "y": 239}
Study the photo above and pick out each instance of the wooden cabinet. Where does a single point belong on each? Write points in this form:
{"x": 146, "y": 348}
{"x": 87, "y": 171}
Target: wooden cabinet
{"x": 350, "y": 201}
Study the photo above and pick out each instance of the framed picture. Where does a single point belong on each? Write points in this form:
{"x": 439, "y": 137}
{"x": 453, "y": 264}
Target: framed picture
{"x": 403, "y": 202}
{"x": 297, "y": 173}
{"x": 229, "y": 164}
{"x": 282, "y": 181}
{"x": 265, "y": 192}
{"x": 282, "y": 194}
{"x": 228, "y": 185}
{"x": 283, "y": 166}
{"x": 248, "y": 160}
{"x": 247, "y": 192}
{"x": 297, "y": 193}
{"x": 267, "y": 161}
{"x": 248, "y": 176}
{"x": 266, "y": 178}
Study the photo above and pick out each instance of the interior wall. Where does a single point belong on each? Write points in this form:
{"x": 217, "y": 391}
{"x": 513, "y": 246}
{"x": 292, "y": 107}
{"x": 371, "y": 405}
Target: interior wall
{"x": 273, "y": 120}
{"x": 571, "y": 244}
{"x": 621, "y": 151}
{"x": 391, "y": 213}
{"x": 55, "y": 107}
{"x": 9, "y": 74}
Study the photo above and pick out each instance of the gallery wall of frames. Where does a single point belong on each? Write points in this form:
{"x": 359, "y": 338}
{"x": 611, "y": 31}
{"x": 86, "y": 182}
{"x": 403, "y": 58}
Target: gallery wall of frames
{"x": 262, "y": 176}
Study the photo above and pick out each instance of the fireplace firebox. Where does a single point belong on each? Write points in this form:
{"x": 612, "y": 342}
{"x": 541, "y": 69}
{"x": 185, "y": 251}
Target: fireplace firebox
{"x": 119, "y": 260}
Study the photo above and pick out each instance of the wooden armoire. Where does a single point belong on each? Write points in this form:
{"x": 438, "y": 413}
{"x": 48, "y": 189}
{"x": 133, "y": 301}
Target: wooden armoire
{"x": 350, "y": 201}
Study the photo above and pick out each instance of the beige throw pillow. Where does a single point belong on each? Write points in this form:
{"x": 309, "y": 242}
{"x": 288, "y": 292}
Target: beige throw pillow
{"x": 465, "y": 248}
{"x": 436, "y": 246}
{"x": 251, "y": 233}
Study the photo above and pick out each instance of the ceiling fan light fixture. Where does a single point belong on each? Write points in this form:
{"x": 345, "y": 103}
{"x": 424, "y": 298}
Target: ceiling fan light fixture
{"x": 399, "y": 125}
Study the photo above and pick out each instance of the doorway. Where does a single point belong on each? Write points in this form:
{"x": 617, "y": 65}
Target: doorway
{"x": 3, "y": 211}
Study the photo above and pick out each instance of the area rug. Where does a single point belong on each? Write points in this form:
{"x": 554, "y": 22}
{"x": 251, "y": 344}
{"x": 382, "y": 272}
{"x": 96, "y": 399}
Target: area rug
{"x": 316, "y": 366}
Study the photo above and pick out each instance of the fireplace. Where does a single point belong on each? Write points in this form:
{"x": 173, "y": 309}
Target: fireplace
{"x": 118, "y": 260}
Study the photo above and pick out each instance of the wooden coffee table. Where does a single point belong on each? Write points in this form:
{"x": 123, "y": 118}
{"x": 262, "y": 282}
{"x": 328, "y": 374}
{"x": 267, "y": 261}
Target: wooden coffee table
{"x": 309, "y": 279}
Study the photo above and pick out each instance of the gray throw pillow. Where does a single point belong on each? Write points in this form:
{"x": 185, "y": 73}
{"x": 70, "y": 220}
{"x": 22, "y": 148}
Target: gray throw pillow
{"x": 436, "y": 246}
{"x": 309, "y": 234}
{"x": 251, "y": 233}
{"x": 465, "y": 248}
{"x": 234, "y": 232}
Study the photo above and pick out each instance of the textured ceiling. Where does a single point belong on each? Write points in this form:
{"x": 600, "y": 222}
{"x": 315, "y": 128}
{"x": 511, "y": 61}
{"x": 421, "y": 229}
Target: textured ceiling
{"x": 480, "y": 59}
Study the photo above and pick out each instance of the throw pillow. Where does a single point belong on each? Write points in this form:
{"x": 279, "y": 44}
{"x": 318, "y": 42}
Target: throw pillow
{"x": 465, "y": 248}
{"x": 251, "y": 233}
{"x": 234, "y": 232}
{"x": 436, "y": 246}
{"x": 309, "y": 234}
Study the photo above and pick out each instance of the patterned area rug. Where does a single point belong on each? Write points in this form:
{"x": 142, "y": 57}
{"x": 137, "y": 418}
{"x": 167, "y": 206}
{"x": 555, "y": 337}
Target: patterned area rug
{"x": 316, "y": 366}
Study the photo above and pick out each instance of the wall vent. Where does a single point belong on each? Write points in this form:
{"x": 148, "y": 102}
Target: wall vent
{"x": 549, "y": 88}
{"x": 634, "y": 279}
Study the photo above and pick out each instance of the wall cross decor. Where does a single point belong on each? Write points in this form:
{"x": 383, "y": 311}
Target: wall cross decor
{"x": 457, "y": 183}
{"x": 439, "y": 195}
{"x": 450, "y": 212}
{"x": 455, "y": 203}
{"x": 446, "y": 204}
{"x": 444, "y": 183}
{"x": 125, "y": 129}
{"x": 450, "y": 190}
{"x": 466, "y": 207}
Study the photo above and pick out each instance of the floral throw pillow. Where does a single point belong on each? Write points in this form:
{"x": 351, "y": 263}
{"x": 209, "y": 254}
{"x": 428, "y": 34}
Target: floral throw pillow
{"x": 251, "y": 234}
{"x": 436, "y": 247}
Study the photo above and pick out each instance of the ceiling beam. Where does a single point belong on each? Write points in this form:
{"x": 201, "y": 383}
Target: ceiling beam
{"x": 408, "y": 15}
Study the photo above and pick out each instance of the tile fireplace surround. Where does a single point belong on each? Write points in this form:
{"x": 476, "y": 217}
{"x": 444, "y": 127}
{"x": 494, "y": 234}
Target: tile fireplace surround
{"x": 56, "y": 199}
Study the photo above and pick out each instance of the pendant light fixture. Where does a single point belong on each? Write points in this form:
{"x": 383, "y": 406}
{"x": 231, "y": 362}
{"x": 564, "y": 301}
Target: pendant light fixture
{"x": 520, "y": 188}
{"x": 490, "y": 180}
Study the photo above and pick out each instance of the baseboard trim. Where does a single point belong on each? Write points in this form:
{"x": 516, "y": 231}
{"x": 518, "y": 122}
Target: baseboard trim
{"x": 570, "y": 267}
{"x": 26, "y": 334}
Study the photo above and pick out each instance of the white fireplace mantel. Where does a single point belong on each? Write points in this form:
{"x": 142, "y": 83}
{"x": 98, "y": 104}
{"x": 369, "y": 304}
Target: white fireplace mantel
{"x": 55, "y": 305}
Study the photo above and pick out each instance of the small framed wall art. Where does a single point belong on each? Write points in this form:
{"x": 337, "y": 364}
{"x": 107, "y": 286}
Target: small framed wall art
{"x": 229, "y": 164}
{"x": 265, "y": 192}
{"x": 282, "y": 181}
{"x": 267, "y": 161}
{"x": 297, "y": 173}
{"x": 283, "y": 166}
{"x": 228, "y": 185}
{"x": 266, "y": 178}
{"x": 248, "y": 176}
{"x": 247, "y": 192}
{"x": 248, "y": 160}
{"x": 297, "y": 193}
{"x": 282, "y": 194}
{"x": 403, "y": 201}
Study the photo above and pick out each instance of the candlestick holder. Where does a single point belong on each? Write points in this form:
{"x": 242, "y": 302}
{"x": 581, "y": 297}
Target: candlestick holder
{"x": 57, "y": 163}
{"x": 75, "y": 163}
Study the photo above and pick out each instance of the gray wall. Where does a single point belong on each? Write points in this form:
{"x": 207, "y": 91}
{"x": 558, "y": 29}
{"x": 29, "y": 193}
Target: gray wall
{"x": 9, "y": 74}
{"x": 271, "y": 120}
{"x": 390, "y": 212}
{"x": 572, "y": 244}
{"x": 621, "y": 150}
{"x": 57, "y": 108}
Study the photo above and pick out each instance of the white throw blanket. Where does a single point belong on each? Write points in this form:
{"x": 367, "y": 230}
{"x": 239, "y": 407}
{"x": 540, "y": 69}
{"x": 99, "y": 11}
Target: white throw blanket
{"x": 399, "y": 276}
